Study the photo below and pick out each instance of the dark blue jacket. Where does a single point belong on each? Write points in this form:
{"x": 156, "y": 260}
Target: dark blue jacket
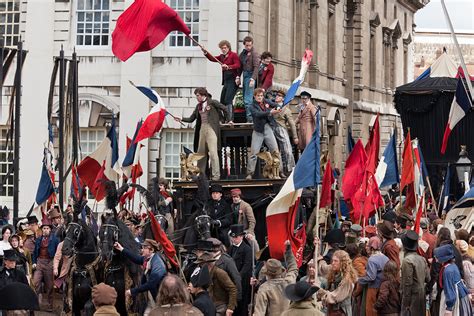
{"x": 152, "y": 279}
{"x": 262, "y": 117}
{"x": 52, "y": 245}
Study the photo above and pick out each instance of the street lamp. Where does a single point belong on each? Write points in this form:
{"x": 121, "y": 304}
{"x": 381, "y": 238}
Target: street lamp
{"x": 463, "y": 167}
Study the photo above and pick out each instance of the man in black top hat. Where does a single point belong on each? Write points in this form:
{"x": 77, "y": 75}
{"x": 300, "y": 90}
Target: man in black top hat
{"x": 33, "y": 225}
{"x": 198, "y": 285}
{"x": 241, "y": 252}
{"x": 415, "y": 273}
{"x": 401, "y": 224}
{"x": 9, "y": 273}
{"x": 220, "y": 213}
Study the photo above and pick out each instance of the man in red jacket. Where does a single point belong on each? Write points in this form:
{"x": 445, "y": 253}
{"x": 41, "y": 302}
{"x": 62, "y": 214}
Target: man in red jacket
{"x": 265, "y": 71}
{"x": 230, "y": 69}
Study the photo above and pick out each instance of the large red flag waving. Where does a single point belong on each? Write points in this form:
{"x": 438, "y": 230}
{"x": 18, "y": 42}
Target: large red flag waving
{"x": 354, "y": 171}
{"x": 328, "y": 180}
{"x": 408, "y": 172}
{"x": 162, "y": 239}
{"x": 143, "y": 26}
{"x": 368, "y": 198}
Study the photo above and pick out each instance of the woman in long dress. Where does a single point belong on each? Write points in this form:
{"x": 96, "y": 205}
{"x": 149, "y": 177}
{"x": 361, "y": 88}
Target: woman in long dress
{"x": 454, "y": 296}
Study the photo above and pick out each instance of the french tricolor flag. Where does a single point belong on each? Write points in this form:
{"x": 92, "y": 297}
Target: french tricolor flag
{"x": 282, "y": 211}
{"x": 106, "y": 156}
{"x": 156, "y": 117}
{"x": 305, "y": 62}
{"x": 132, "y": 158}
{"x": 461, "y": 105}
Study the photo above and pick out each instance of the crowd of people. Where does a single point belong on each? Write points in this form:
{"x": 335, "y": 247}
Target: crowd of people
{"x": 385, "y": 269}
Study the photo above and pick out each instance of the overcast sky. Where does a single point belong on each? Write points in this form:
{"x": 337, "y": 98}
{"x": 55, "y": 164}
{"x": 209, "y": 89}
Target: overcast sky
{"x": 432, "y": 17}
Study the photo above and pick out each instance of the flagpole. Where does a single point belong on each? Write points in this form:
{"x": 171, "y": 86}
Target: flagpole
{"x": 456, "y": 44}
{"x": 316, "y": 246}
{"x": 431, "y": 192}
{"x": 202, "y": 47}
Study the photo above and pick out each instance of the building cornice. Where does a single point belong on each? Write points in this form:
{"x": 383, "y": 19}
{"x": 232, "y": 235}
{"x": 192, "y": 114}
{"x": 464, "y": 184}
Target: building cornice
{"x": 414, "y": 5}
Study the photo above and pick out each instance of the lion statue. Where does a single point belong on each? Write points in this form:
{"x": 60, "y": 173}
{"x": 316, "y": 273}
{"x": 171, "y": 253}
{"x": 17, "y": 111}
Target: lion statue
{"x": 271, "y": 170}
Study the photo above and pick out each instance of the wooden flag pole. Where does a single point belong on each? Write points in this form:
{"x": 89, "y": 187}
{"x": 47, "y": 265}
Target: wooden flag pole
{"x": 204, "y": 49}
{"x": 316, "y": 246}
{"x": 431, "y": 192}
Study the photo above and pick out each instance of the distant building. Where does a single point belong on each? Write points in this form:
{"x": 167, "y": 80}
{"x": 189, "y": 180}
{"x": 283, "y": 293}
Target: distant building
{"x": 430, "y": 44}
{"x": 363, "y": 50}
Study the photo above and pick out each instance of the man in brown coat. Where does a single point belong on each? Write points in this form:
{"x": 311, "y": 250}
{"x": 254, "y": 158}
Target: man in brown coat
{"x": 389, "y": 247}
{"x": 242, "y": 211}
{"x": 270, "y": 299}
{"x": 306, "y": 120}
{"x": 222, "y": 290}
{"x": 208, "y": 114}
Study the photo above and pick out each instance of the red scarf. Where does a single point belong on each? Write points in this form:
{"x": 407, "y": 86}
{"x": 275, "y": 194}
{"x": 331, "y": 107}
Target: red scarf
{"x": 441, "y": 272}
{"x": 164, "y": 194}
{"x": 262, "y": 106}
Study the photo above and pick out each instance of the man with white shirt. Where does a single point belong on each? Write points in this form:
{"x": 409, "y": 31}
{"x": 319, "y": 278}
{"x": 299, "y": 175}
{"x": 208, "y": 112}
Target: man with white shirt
{"x": 208, "y": 114}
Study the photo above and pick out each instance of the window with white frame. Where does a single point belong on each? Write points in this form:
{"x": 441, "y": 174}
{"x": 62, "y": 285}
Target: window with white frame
{"x": 6, "y": 162}
{"x": 91, "y": 137}
{"x": 93, "y": 21}
{"x": 10, "y": 22}
{"x": 172, "y": 145}
{"x": 188, "y": 10}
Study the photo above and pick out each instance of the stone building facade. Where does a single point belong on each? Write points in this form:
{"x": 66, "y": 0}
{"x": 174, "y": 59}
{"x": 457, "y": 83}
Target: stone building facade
{"x": 362, "y": 51}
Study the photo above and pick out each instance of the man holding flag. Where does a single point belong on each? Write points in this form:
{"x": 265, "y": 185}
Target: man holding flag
{"x": 207, "y": 114}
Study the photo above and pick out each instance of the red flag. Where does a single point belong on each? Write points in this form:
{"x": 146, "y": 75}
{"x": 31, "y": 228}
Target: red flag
{"x": 354, "y": 171}
{"x": 368, "y": 198}
{"x": 416, "y": 228}
{"x": 98, "y": 190}
{"x": 143, "y": 26}
{"x": 328, "y": 180}
{"x": 161, "y": 238}
{"x": 408, "y": 172}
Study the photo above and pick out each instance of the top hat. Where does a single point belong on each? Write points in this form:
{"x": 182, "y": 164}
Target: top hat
{"x": 299, "y": 291}
{"x": 216, "y": 188}
{"x": 305, "y": 93}
{"x": 151, "y": 243}
{"x": 386, "y": 229}
{"x": 444, "y": 253}
{"x": 10, "y": 255}
{"x": 204, "y": 245}
{"x": 32, "y": 220}
{"x": 335, "y": 236}
{"x": 201, "y": 278}
{"x": 410, "y": 240}
{"x": 206, "y": 257}
{"x": 236, "y": 230}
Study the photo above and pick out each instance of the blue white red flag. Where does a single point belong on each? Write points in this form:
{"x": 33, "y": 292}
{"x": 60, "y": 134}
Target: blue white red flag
{"x": 45, "y": 187}
{"x": 387, "y": 170}
{"x": 282, "y": 211}
{"x": 132, "y": 158}
{"x": 106, "y": 156}
{"x": 462, "y": 104}
{"x": 153, "y": 122}
{"x": 305, "y": 62}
